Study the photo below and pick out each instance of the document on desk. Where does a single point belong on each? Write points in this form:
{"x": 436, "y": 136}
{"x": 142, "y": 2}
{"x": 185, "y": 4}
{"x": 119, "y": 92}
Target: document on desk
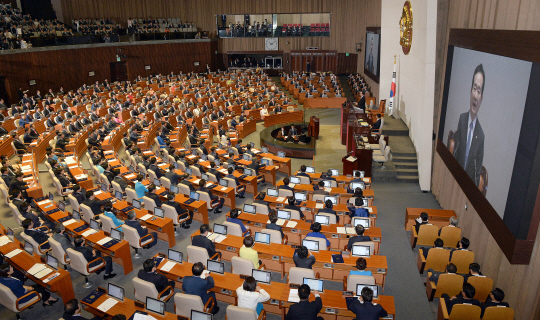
{"x": 341, "y": 230}
{"x": 217, "y": 237}
{"x": 13, "y": 253}
{"x": 36, "y": 268}
{"x": 168, "y": 266}
{"x": 68, "y": 222}
{"x": 107, "y": 304}
{"x": 146, "y": 217}
{"x": 280, "y": 199}
{"x": 104, "y": 241}
{"x": 327, "y": 189}
{"x": 366, "y": 180}
{"x": 291, "y": 224}
{"x": 4, "y": 240}
{"x": 351, "y": 159}
{"x": 44, "y": 202}
{"x": 88, "y": 232}
{"x": 43, "y": 273}
{"x": 319, "y": 205}
{"x": 293, "y": 296}
{"x": 350, "y": 230}
{"x": 279, "y": 222}
{"x": 129, "y": 176}
{"x": 370, "y": 209}
{"x": 196, "y": 182}
{"x": 98, "y": 192}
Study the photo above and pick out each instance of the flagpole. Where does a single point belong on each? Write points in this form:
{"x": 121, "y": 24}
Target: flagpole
{"x": 391, "y": 106}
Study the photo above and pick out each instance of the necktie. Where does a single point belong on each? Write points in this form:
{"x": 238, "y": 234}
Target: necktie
{"x": 469, "y": 138}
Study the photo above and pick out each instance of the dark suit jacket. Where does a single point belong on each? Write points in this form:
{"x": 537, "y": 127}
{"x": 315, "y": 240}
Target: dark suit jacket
{"x": 159, "y": 280}
{"x": 362, "y": 103}
{"x": 273, "y": 226}
{"x": 204, "y": 242}
{"x": 156, "y": 198}
{"x": 459, "y": 300}
{"x": 38, "y": 237}
{"x": 473, "y": 166}
{"x": 137, "y": 225}
{"x": 492, "y": 304}
{"x": 179, "y": 210}
{"x": 18, "y": 144}
{"x": 95, "y": 205}
{"x": 121, "y": 182}
{"x": 377, "y": 125}
{"x": 87, "y": 253}
{"x": 109, "y": 175}
{"x": 305, "y": 310}
{"x": 354, "y": 239}
{"x": 197, "y": 286}
{"x": 366, "y": 310}
{"x": 173, "y": 177}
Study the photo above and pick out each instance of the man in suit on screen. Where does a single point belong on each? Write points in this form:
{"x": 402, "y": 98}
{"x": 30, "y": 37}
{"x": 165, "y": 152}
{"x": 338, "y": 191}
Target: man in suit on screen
{"x": 469, "y": 137}
{"x": 369, "y": 62}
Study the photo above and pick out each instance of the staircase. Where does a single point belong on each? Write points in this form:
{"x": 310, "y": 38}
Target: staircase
{"x": 406, "y": 167}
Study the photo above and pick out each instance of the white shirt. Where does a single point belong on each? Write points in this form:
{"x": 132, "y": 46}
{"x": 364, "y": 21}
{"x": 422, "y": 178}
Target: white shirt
{"x": 250, "y": 299}
{"x": 264, "y": 112}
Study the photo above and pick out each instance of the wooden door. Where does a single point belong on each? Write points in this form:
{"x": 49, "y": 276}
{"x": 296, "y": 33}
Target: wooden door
{"x": 119, "y": 71}
{"x": 296, "y": 62}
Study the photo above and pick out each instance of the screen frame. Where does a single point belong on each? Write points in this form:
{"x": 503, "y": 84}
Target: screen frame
{"x": 157, "y": 312}
{"x": 518, "y": 45}
{"x": 123, "y": 291}
{"x": 376, "y": 30}
{"x": 266, "y": 272}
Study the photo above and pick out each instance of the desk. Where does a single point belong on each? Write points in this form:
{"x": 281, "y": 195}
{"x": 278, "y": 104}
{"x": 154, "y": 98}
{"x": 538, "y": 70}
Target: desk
{"x": 323, "y": 102}
{"x": 246, "y": 128}
{"x": 285, "y": 117}
{"x": 438, "y": 217}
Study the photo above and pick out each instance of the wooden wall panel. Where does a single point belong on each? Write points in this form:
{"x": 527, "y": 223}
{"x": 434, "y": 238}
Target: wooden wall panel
{"x": 348, "y": 21}
{"x": 521, "y": 283}
{"x": 69, "y": 68}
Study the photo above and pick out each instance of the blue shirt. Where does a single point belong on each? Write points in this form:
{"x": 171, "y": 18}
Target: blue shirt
{"x": 161, "y": 142}
{"x": 117, "y": 222}
{"x": 360, "y": 273}
{"x": 100, "y": 168}
{"x": 319, "y": 235}
{"x": 359, "y": 212}
{"x": 140, "y": 189}
{"x": 238, "y": 222}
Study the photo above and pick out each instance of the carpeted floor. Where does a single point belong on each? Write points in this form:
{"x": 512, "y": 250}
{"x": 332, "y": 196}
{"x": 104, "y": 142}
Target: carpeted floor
{"x": 403, "y": 281}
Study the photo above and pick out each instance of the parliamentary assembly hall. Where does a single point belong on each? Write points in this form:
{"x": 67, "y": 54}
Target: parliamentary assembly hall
{"x": 271, "y": 159}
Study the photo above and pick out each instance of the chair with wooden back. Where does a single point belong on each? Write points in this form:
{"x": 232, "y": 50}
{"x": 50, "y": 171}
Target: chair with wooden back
{"x": 483, "y": 286}
{"x": 459, "y": 312}
{"x": 449, "y": 283}
{"x": 437, "y": 259}
{"x": 462, "y": 259}
{"x": 450, "y": 236}
{"x": 427, "y": 234}
{"x": 498, "y": 313}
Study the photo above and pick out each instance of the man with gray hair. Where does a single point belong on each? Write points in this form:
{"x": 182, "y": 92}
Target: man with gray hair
{"x": 61, "y": 237}
{"x": 141, "y": 230}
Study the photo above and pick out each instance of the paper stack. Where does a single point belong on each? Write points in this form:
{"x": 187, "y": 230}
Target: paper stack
{"x": 168, "y": 266}
{"x": 104, "y": 241}
{"x": 107, "y": 304}
{"x": 13, "y": 253}
{"x": 4, "y": 240}
{"x": 68, "y": 222}
{"x": 293, "y": 296}
{"x": 146, "y": 217}
{"x": 291, "y": 224}
{"x": 88, "y": 232}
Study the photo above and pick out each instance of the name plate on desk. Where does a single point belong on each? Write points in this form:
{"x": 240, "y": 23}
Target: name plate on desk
{"x": 335, "y": 236}
{"x": 225, "y": 291}
{"x": 276, "y": 258}
{"x": 380, "y": 270}
{"x": 230, "y": 249}
{"x": 257, "y": 224}
{"x": 376, "y": 239}
{"x": 373, "y": 216}
{"x": 274, "y": 301}
{"x": 294, "y": 230}
{"x": 328, "y": 265}
{"x": 330, "y": 310}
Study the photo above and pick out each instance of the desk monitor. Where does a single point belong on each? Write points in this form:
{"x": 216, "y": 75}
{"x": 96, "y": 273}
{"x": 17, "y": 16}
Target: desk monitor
{"x": 281, "y": 154}
{"x": 61, "y": 205}
{"x": 231, "y": 150}
{"x": 359, "y": 250}
{"x": 373, "y": 287}
{"x": 295, "y": 180}
{"x": 176, "y": 165}
{"x": 265, "y": 162}
{"x": 94, "y": 224}
{"x": 252, "y": 144}
{"x": 245, "y": 157}
{"x": 204, "y": 157}
{"x": 217, "y": 162}
{"x": 300, "y": 196}
{"x": 282, "y": 214}
{"x": 118, "y": 195}
{"x": 261, "y": 237}
{"x": 28, "y": 247}
{"x": 231, "y": 165}
{"x": 322, "y": 219}
{"x": 205, "y": 177}
{"x": 312, "y": 245}
{"x": 174, "y": 189}
{"x": 51, "y": 196}
{"x": 103, "y": 188}
{"x": 335, "y": 172}
{"x": 249, "y": 208}
{"x": 264, "y": 150}
{"x": 314, "y": 284}
{"x": 272, "y": 192}
{"x": 362, "y": 173}
{"x": 224, "y": 183}
{"x": 116, "y": 234}
{"x": 176, "y": 256}
{"x": 327, "y": 184}
{"x": 76, "y": 214}
{"x": 334, "y": 199}
{"x": 365, "y": 222}
{"x": 220, "y": 228}
{"x": 52, "y": 262}
{"x": 198, "y": 315}
{"x": 355, "y": 185}
{"x": 136, "y": 204}
{"x": 216, "y": 266}
{"x": 155, "y": 305}
{"x": 116, "y": 292}
{"x": 248, "y": 172}
{"x": 158, "y": 212}
{"x": 261, "y": 275}
{"x": 189, "y": 171}
{"x": 131, "y": 168}
{"x": 9, "y": 232}
{"x": 310, "y": 169}
{"x": 157, "y": 182}
{"x": 194, "y": 195}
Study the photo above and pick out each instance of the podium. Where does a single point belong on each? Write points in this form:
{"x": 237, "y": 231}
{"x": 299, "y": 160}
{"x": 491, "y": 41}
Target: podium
{"x": 313, "y": 128}
{"x": 350, "y": 166}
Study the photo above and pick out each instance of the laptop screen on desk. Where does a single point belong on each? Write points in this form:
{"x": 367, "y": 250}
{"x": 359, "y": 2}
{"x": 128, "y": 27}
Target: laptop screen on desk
{"x": 174, "y": 189}
{"x": 198, "y": 315}
{"x": 360, "y": 286}
{"x": 9, "y": 232}
{"x": 136, "y": 204}
{"x": 262, "y": 276}
{"x": 189, "y": 171}
{"x": 282, "y": 214}
{"x": 264, "y": 150}
{"x": 157, "y": 183}
{"x": 51, "y": 196}
{"x": 265, "y": 162}
{"x": 155, "y": 305}
{"x": 248, "y": 172}
{"x": 300, "y": 196}
{"x": 249, "y": 208}
{"x": 335, "y": 172}
{"x": 104, "y": 187}
{"x": 281, "y": 154}
{"x": 359, "y": 250}
{"x": 131, "y": 168}
{"x": 76, "y": 215}
{"x": 331, "y": 198}
{"x": 61, "y": 205}
{"x": 295, "y": 180}
{"x": 310, "y": 169}
{"x": 52, "y": 262}
{"x": 314, "y": 284}
{"x": 205, "y": 177}
{"x": 327, "y": 184}
{"x": 220, "y": 228}
{"x": 28, "y": 247}
{"x": 116, "y": 291}
{"x": 355, "y": 185}
{"x": 118, "y": 195}
{"x": 361, "y": 221}
{"x": 175, "y": 255}
{"x": 194, "y": 195}
{"x": 322, "y": 219}
{"x": 262, "y": 237}
{"x": 217, "y": 162}
{"x": 224, "y": 183}
{"x": 272, "y": 192}
{"x": 158, "y": 212}
{"x": 94, "y": 224}
{"x": 215, "y": 266}
{"x": 245, "y": 157}
{"x": 361, "y": 173}
{"x": 311, "y": 244}
{"x": 116, "y": 234}
{"x": 204, "y": 157}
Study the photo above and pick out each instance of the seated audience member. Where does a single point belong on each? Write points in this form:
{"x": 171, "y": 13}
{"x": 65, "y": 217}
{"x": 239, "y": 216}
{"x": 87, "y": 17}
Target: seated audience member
{"x": 247, "y": 251}
{"x": 358, "y": 210}
{"x": 303, "y": 258}
{"x": 27, "y": 212}
{"x": 140, "y": 188}
{"x": 316, "y": 232}
{"x": 328, "y": 176}
{"x": 260, "y": 199}
{"x": 199, "y": 284}
{"x": 60, "y": 236}
{"x": 202, "y": 241}
{"x": 19, "y": 289}
{"x": 320, "y": 189}
{"x": 41, "y": 238}
{"x": 328, "y": 205}
{"x": 292, "y": 206}
{"x": 240, "y": 188}
{"x": 153, "y": 195}
{"x": 141, "y": 230}
{"x": 272, "y": 216}
{"x": 463, "y": 244}
{"x": 79, "y": 194}
{"x": 108, "y": 212}
{"x": 422, "y": 220}
{"x": 303, "y": 173}
{"x": 148, "y": 273}
{"x": 213, "y": 198}
{"x": 439, "y": 243}
{"x": 118, "y": 179}
{"x": 474, "y": 271}
{"x": 182, "y": 213}
{"x": 450, "y": 268}
{"x": 364, "y": 308}
{"x": 172, "y": 176}
{"x": 72, "y": 311}
{"x": 357, "y": 178}
{"x": 452, "y": 223}
{"x": 251, "y": 296}
{"x": 233, "y": 217}
{"x": 94, "y": 204}
{"x": 361, "y": 265}
{"x": 465, "y": 297}
{"x": 91, "y": 255}
{"x": 360, "y": 237}
{"x": 304, "y": 309}
{"x": 285, "y": 184}
{"x": 495, "y": 299}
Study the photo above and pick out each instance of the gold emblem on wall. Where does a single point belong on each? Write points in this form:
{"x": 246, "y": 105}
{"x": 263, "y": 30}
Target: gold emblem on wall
{"x": 406, "y": 28}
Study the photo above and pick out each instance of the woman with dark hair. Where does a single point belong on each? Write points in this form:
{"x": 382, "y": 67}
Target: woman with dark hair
{"x": 303, "y": 258}
{"x": 108, "y": 212}
{"x": 251, "y": 296}
{"x": 19, "y": 289}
